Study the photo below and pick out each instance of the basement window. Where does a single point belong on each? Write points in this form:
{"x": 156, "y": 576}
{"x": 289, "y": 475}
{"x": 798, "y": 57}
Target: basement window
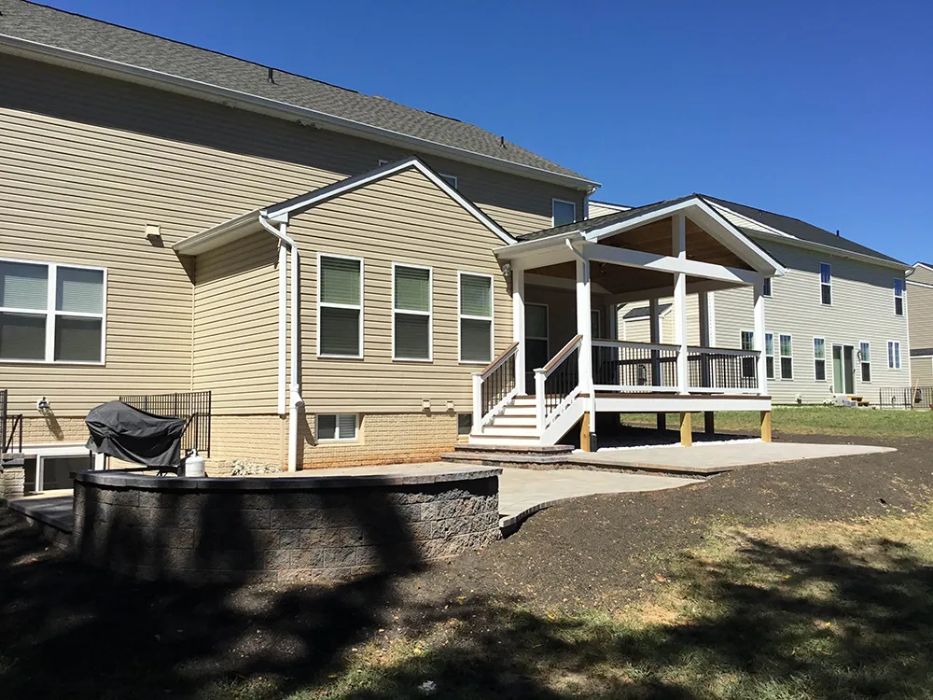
{"x": 52, "y": 313}
{"x": 464, "y": 423}
{"x": 336, "y": 426}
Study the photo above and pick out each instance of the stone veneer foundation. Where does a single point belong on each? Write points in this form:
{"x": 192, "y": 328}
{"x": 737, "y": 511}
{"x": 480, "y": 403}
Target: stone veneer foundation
{"x": 315, "y": 528}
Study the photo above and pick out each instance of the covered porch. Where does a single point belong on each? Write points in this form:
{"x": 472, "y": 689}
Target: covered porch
{"x": 568, "y": 363}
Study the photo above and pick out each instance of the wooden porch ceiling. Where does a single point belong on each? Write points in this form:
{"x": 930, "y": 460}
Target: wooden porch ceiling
{"x": 650, "y": 238}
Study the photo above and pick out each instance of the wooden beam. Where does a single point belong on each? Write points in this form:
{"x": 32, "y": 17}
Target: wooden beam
{"x": 585, "y": 432}
{"x": 766, "y": 426}
{"x": 668, "y": 263}
{"x": 686, "y": 429}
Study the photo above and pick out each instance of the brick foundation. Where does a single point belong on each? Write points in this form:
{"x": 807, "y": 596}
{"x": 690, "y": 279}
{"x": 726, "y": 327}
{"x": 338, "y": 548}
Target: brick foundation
{"x": 315, "y": 528}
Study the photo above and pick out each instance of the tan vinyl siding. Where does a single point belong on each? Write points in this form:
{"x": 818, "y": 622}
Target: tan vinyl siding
{"x": 862, "y": 309}
{"x": 405, "y": 219}
{"x": 236, "y": 325}
{"x": 639, "y": 330}
{"x": 920, "y": 314}
{"x": 88, "y": 162}
{"x": 596, "y": 209}
{"x": 921, "y": 371}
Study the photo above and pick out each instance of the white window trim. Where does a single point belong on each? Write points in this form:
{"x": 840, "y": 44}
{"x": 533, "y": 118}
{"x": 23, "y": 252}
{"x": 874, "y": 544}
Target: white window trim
{"x": 555, "y": 200}
{"x": 356, "y": 429}
{"x": 863, "y": 362}
{"x": 782, "y": 356}
{"x": 773, "y": 369}
{"x": 547, "y": 323}
{"x": 816, "y": 359}
{"x": 429, "y": 313}
{"x": 826, "y": 284}
{"x": 51, "y": 314}
{"x": 447, "y": 177}
{"x": 902, "y": 296}
{"x": 359, "y": 355}
{"x": 894, "y": 357}
{"x": 491, "y": 319}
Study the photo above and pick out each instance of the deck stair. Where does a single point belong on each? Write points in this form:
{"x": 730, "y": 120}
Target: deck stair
{"x": 504, "y": 455}
{"x": 859, "y": 400}
{"x": 514, "y": 426}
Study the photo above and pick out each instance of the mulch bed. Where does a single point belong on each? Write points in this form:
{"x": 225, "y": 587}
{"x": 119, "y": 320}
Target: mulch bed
{"x": 71, "y": 631}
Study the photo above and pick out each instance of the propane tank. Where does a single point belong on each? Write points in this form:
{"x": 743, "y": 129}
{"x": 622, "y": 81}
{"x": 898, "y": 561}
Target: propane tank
{"x": 193, "y": 465}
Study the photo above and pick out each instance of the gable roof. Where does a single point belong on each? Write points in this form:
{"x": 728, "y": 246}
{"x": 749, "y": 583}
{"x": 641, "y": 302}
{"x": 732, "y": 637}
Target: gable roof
{"x": 37, "y": 30}
{"x": 281, "y": 212}
{"x": 800, "y": 229}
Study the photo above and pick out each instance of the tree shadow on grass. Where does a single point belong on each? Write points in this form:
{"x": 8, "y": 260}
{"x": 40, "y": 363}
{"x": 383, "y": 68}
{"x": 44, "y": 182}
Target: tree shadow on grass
{"x": 770, "y": 621}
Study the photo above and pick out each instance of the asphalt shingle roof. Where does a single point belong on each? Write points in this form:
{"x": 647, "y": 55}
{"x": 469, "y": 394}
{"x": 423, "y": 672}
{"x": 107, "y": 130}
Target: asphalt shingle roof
{"x": 64, "y": 30}
{"x": 799, "y": 229}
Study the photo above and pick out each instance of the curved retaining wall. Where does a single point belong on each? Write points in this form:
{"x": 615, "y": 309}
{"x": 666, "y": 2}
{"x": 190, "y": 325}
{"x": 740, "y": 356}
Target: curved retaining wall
{"x": 317, "y": 528}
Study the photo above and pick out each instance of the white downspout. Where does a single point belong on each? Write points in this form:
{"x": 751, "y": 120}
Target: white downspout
{"x": 286, "y": 245}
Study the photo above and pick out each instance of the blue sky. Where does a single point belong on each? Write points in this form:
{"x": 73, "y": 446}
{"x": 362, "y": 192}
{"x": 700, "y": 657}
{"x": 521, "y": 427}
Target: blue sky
{"x": 821, "y": 110}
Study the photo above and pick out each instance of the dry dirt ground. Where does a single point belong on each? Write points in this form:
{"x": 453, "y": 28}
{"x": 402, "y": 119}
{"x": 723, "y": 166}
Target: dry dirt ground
{"x": 66, "y": 631}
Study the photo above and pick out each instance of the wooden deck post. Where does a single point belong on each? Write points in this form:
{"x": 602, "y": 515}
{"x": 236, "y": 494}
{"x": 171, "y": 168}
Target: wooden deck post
{"x": 709, "y": 423}
{"x": 766, "y": 426}
{"x": 686, "y": 429}
{"x": 585, "y": 432}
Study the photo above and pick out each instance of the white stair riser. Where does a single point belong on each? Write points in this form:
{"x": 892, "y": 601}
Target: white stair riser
{"x": 518, "y": 411}
{"x": 521, "y": 421}
{"x": 509, "y": 431}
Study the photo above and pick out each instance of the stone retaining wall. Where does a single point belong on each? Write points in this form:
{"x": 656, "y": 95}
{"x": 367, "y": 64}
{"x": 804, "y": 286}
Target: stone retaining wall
{"x": 316, "y": 528}
{"x": 12, "y": 483}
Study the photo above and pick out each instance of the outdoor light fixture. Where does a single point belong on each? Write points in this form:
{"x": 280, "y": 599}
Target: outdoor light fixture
{"x": 43, "y": 405}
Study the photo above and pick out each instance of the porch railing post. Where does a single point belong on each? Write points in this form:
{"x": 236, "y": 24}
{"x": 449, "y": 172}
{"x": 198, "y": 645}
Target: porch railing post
{"x": 759, "y": 338}
{"x": 477, "y": 402}
{"x": 540, "y": 378}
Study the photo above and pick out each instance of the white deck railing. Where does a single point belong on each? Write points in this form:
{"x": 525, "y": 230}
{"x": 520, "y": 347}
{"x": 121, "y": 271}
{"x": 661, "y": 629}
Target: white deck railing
{"x": 494, "y": 387}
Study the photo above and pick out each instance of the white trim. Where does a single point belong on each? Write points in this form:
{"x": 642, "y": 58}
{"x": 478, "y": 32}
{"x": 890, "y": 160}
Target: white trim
{"x": 781, "y": 356}
{"x": 275, "y": 108}
{"x": 358, "y": 356}
{"x": 894, "y": 355}
{"x": 558, "y": 200}
{"x": 297, "y": 205}
{"x": 669, "y": 264}
{"x": 491, "y": 318}
{"x": 902, "y": 296}
{"x": 429, "y": 313}
{"x": 826, "y": 284}
{"x": 862, "y": 362}
{"x": 816, "y": 359}
{"x": 51, "y": 313}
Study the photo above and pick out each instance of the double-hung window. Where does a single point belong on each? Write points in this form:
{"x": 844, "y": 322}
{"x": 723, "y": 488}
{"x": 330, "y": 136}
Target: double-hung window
{"x": 340, "y": 306}
{"x": 769, "y": 354}
{"x": 563, "y": 212}
{"x": 748, "y": 363}
{"x": 819, "y": 359}
{"x": 899, "y": 297}
{"x": 826, "y": 283}
{"x": 766, "y": 287}
{"x": 787, "y": 357}
{"x": 51, "y": 312}
{"x": 411, "y": 312}
{"x": 894, "y": 354}
{"x": 864, "y": 358}
{"x": 475, "y": 317}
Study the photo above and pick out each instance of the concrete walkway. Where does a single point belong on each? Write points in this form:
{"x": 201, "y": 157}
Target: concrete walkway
{"x": 523, "y": 492}
{"x": 714, "y": 457}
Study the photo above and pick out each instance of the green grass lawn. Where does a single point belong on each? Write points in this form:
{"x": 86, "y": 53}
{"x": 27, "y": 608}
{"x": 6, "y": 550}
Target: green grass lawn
{"x": 815, "y": 420}
{"x": 800, "y": 609}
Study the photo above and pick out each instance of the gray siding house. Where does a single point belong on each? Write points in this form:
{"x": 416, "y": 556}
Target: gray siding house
{"x": 837, "y": 320}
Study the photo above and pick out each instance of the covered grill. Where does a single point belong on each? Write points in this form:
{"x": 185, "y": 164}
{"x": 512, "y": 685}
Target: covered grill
{"x": 120, "y": 430}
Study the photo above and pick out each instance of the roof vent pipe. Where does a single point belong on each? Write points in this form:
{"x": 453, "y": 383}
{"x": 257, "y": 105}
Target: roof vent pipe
{"x": 271, "y": 77}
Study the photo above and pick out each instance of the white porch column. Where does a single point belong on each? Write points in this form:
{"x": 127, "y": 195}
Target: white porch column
{"x": 585, "y": 330}
{"x": 679, "y": 240}
{"x": 518, "y": 326}
{"x": 759, "y": 339}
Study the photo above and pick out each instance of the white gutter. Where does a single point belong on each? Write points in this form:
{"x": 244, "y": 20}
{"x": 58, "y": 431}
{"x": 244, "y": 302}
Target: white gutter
{"x": 271, "y": 107}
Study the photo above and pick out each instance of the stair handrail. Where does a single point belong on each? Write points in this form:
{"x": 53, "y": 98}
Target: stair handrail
{"x": 542, "y": 415}
{"x": 493, "y": 388}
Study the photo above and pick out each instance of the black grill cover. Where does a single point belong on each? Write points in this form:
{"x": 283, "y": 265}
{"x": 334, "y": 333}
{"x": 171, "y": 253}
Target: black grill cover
{"x": 119, "y": 430}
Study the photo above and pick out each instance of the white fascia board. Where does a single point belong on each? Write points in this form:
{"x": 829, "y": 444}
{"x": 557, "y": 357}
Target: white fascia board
{"x": 300, "y": 204}
{"x": 264, "y": 105}
{"x": 668, "y": 264}
{"x": 230, "y": 230}
{"x": 521, "y": 248}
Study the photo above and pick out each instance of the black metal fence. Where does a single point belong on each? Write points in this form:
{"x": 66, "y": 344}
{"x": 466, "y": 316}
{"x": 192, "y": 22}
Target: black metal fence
{"x": 906, "y": 397}
{"x": 192, "y": 406}
{"x": 11, "y": 427}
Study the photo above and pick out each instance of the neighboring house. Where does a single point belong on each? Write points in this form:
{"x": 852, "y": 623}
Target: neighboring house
{"x": 920, "y": 296}
{"x": 837, "y": 321}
